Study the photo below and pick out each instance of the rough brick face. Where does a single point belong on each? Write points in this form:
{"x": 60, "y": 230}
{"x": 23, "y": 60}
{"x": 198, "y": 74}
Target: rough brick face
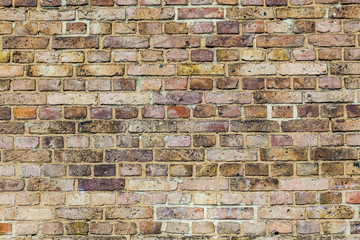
{"x": 177, "y": 119}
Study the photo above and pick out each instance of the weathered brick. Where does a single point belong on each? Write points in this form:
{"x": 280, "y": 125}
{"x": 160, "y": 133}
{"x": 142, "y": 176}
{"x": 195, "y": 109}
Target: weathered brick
{"x": 203, "y": 126}
{"x": 152, "y": 126}
{"x": 304, "y": 184}
{"x": 150, "y": 13}
{"x": 151, "y": 69}
{"x": 25, "y": 42}
{"x": 152, "y": 185}
{"x": 179, "y": 155}
{"x": 229, "y": 41}
{"x": 123, "y": 99}
{"x": 128, "y": 155}
{"x": 267, "y": 41}
{"x": 50, "y": 71}
{"x": 351, "y": 68}
{"x": 334, "y": 154}
{"x": 330, "y": 212}
{"x": 101, "y": 184}
{"x": 115, "y": 42}
{"x": 101, "y": 14}
{"x": 230, "y": 213}
{"x": 306, "y": 125}
{"x": 98, "y": 126}
{"x": 32, "y": 214}
{"x": 129, "y": 213}
{"x": 250, "y": 13}
{"x": 302, "y": 68}
{"x": 254, "y": 184}
{"x": 27, "y": 155}
{"x": 12, "y": 185}
{"x": 282, "y": 213}
{"x": 304, "y": 12}
{"x": 79, "y": 213}
{"x": 254, "y": 126}
{"x": 283, "y": 154}
{"x": 332, "y": 40}
{"x": 46, "y": 184}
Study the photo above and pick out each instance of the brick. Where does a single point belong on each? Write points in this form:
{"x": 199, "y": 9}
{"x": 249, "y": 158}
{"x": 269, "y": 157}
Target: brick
{"x": 329, "y": 97}
{"x": 227, "y": 27}
{"x": 254, "y": 184}
{"x": 202, "y": 27}
{"x": 125, "y": 228}
{"x": 254, "y": 126}
{"x": 282, "y": 213}
{"x": 280, "y": 227}
{"x": 25, "y": 113}
{"x": 25, "y": 42}
{"x": 307, "y": 125}
{"x": 100, "y": 70}
{"x": 231, "y": 155}
{"x": 344, "y": 12}
{"x": 304, "y": 54}
{"x": 129, "y": 213}
{"x": 267, "y": 41}
{"x": 179, "y": 155}
{"x": 332, "y": 40}
{"x": 12, "y": 185}
{"x": 129, "y": 155}
{"x": 101, "y": 184}
{"x": 150, "y": 13}
{"x": 197, "y": 13}
{"x": 151, "y": 69}
{"x": 229, "y": 41}
{"x": 249, "y": 69}
{"x": 277, "y": 97}
{"x": 304, "y": 184}
{"x": 250, "y": 13}
{"x": 152, "y": 126}
{"x": 180, "y": 213}
{"x": 126, "y": 42}
{"x": 152, "y": 185}
{"x": 227, "y": 55}
{"x": 203, "y": 227}
{"x": 176, "y": 28}
{"x": 27, "y": 155}
{"x": 227, "y": 97}
{"x": 45, "y": 184}
{"x": 124, "y": 98}
{"x": 228, "y": 228}
{"x": 285, "y": 154}
{"x": 304, "y": 12}
{"x": 50, "y": 71}
{"x": 76, "y": 156}
{"x": 331, "y": 212}
{"x": 150, "y": 227}
{"x": 326, "y": 54}
{"x": 332, "y": 154}
{"x": 75, "y": 42}
{"x": 204, "y": 140}
{"x": 32, "y": 214}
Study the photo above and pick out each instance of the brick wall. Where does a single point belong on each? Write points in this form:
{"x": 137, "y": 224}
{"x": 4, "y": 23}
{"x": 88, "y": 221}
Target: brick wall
{"x": 179, "y": 119}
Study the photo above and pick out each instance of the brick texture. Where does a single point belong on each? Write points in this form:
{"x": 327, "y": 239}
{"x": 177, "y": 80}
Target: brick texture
{"x": 179, "y": 119}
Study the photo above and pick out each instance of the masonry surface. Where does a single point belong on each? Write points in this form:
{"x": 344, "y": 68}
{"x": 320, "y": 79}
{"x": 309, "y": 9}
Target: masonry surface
{"x": 179, "y": 119}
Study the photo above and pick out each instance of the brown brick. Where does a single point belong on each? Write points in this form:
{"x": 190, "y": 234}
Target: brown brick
{"x": 75, "y": 42}
{"x": 25, "y": 42}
